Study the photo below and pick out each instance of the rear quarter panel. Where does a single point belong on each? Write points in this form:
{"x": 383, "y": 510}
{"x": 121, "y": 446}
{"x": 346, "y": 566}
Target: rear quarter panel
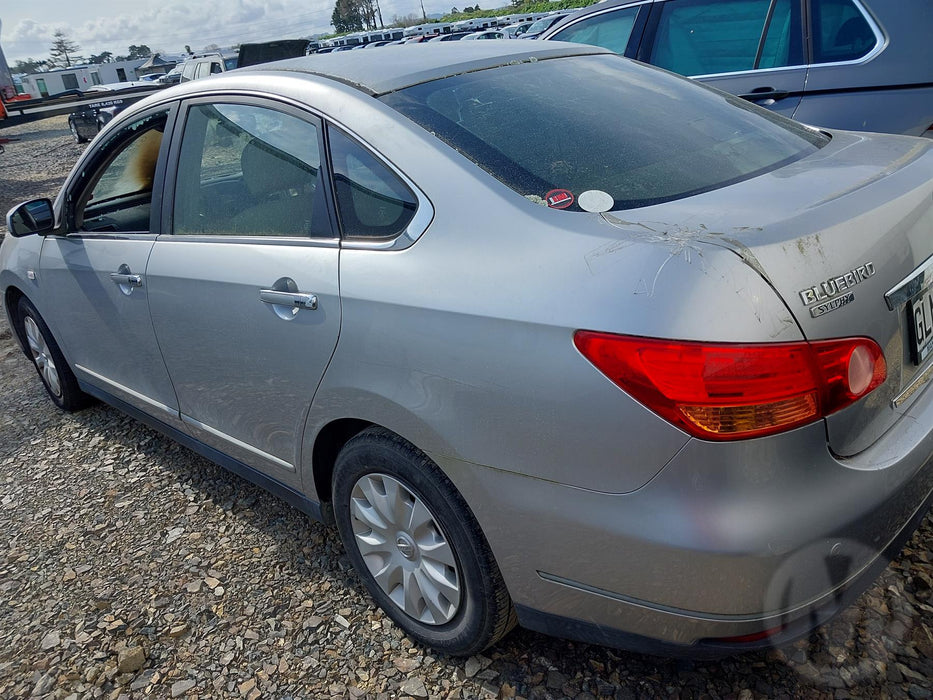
{"x": 463, "y": 343}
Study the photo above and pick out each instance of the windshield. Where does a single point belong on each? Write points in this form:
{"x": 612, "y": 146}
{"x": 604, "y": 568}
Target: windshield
{"x": 632, "y": 134}
{"x": 543, "y": 24}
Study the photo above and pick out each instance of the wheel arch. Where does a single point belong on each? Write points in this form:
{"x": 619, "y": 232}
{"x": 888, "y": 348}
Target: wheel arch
{"x": 328, "y": 442}
{"x": 11, "y": 297}
{"x": 330, "y": 439}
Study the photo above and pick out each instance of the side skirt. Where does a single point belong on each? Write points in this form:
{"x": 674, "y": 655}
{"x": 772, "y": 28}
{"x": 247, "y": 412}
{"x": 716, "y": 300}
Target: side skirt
{"x": 289, "y": 495}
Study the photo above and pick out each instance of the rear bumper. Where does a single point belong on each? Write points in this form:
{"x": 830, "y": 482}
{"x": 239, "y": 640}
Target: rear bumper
{"x": 729, "y": 540}
{"x": 787, "y": 627}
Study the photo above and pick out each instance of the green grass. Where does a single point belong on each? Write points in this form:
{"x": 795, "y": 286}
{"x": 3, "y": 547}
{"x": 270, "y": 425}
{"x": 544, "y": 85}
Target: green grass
{"x": 524, "y": 8}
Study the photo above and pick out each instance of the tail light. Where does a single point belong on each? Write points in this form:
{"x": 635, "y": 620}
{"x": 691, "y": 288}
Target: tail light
{"x": 725, "y": 391}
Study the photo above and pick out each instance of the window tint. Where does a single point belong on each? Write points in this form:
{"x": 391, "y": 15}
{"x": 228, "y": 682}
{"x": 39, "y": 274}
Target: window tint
{"x": 639, "y": 135}
{"x": 782, "y": 45}
{"x": 544, "y": 23}
{"x": 371, "y": 200}
{"x": 840, "y": 31}
{"x": 703, "y": 37}
{"x": 247, "y": 170}
{"x": 118, "y": 196}
{"x": 611, "y": 30}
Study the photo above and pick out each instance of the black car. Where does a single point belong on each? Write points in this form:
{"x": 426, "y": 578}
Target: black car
{"x": 87, "y": 120}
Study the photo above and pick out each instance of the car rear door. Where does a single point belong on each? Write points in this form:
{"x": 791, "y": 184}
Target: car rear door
{"x": 751, "y": 48}
{"x": 94, "y": 291}
{"x": 244, "y": 292}
{"x": 870, "y": 68}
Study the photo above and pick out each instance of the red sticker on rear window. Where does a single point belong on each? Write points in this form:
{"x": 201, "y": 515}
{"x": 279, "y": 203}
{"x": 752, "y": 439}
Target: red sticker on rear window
{"x": 559, "y": 199}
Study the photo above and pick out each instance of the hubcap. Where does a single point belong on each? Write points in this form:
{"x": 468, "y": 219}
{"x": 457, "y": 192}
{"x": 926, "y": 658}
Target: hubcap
{"x": 405, "y": 549}
{"x": 405, "y": 546}
{"x": 41, "y": 356}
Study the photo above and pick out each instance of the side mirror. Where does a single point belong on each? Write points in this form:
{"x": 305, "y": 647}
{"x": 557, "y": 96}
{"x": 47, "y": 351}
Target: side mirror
{"x": 35, "y": 216}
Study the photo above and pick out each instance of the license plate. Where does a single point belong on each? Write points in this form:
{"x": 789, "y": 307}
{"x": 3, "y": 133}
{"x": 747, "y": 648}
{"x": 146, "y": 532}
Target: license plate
{"x": 920, "y": 321}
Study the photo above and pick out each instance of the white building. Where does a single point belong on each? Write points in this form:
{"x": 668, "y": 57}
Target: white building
{"x": 80, "y": 77}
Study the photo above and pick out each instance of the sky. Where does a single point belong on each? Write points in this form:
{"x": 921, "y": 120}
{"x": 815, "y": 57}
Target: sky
{"x": 112, "y": 25}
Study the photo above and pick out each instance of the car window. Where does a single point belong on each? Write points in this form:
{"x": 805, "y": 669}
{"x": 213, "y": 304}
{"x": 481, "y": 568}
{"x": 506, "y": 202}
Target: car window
{"x": 248, "y": 170}
{"x": 372, "y": 201}
{"x": 840, "y": 31}
{"x": 667, "y": 137}
{"x": 611, "y": 30}
{"x": 705, "y": 37}
{"x": 118, "y": 195}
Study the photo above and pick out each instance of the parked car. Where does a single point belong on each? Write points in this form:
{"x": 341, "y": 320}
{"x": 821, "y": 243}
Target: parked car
{"x": 173, "y": 77}
{"x": 845, "y": 64}
{"x": 453, "y": 36}
{"x": 86, "y": 121}
{"x": 488, "y": 34}
{"x": 513, "y": 31}
{"x": 537, "y": 27}
{"x": 207, "y": 65}
{"x": 673, "y": 394}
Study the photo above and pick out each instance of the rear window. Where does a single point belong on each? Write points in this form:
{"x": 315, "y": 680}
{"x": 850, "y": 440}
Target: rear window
{"x": 602, "y": 123}
{"x": 840, "y": 31}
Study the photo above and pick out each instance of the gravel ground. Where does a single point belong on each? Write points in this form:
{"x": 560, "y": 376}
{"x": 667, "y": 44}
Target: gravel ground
{"x": 131, "y": 568}
{"x": 36, "y": 162}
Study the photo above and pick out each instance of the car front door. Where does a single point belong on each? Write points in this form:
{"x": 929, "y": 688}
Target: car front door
{"x": 751, "y": 48}
{"x": 244, "y": 292}
{"x": 93, "y": 282}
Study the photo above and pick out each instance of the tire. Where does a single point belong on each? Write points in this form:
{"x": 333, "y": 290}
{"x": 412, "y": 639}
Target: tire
{"x": 57, "y": 378}
{"x": 75, "y": 134}
{"x": 460, "y": 604}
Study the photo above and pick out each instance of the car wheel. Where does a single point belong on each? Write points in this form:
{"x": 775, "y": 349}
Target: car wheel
{"x": 75, "y": 134}
{"x": 417, "y": 547}
{"x": 57, "y": 378}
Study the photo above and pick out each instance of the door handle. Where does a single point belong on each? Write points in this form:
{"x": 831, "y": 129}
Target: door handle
{"x": 765, "y": 93}
{"x": 297, "y": 300}
{"x": 130, "y": 280}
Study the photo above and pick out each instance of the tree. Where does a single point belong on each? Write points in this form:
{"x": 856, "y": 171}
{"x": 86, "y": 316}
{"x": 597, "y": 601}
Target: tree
{"x": 30, "y": 65}
{"x": 62, "y": 50}
{"x": 347, "y": 16}
{"x": 454, "y": 10}
{"x": 102, "y": 57}
{"x": 141, "y": 51}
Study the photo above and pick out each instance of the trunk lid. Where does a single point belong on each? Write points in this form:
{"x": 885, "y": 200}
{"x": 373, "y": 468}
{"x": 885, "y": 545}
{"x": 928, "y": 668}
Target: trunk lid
{"x": 833, "y": 234}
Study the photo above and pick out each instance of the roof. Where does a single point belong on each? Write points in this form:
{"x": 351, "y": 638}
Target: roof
{"x": 392, "y": 68}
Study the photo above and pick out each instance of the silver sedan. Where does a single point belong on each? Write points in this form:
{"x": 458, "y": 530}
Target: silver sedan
{"x": 553, "y": 337}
